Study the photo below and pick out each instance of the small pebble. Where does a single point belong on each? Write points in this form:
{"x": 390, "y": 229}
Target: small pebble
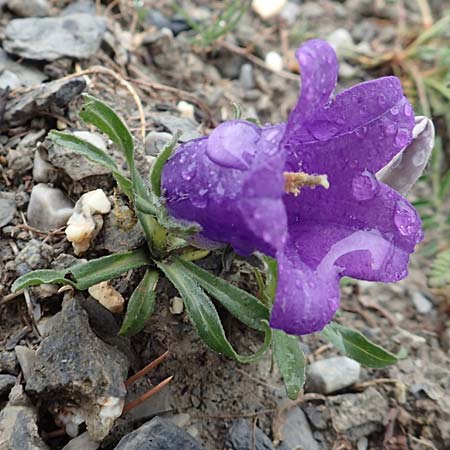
{"x": 82, "y": 442}
{"x": 422, "y": 304}
{"x": 176, "y": 305}
{"x": 186, "y": 109}
{"x": 26, "y": 357}
{"x": 362, "y": 444}
{"x": 109, "y": 297}
{"x": 274, "y": 61}
{"x": 268, "y": 8}
{"x": 49, "y": 208}
{"x": 42, "y": 169}
{"x": 246, "y": 76}
{"x": 332, "y": 374}
{"x": 155, "y": 142}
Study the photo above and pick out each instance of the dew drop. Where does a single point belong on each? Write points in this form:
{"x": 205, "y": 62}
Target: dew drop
{"x": 390, "y": 129}
{"x": 407, "y": 109}
{"x": 364, "y": 186}
{"x": 361, "y": 132}
{"x": 381, "y": 99}
{"x": 402, "y": 137}
{"x": 405, "y": 218}
{"x": 220, "y": 189}
{"x": 395, "y": 111}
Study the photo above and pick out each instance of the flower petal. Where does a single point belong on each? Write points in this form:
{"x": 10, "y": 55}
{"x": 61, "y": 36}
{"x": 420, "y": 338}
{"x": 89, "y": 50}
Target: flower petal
{"x": 319, "y": 69}
{"x": 232, "y": 185}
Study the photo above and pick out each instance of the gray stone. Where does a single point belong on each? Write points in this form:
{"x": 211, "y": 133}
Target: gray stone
{"x": 20, "y": 160}
{"x": 358, "y": 415}
{"x": 18, "y": 428}
{"x": 342, "y": 41}
{"x": 296, "y": 431}
{"x": 26, "y": 357}
{"x": 246, "y": 76}
{"x": 49, "y": 208}
{"x": 25, "y": 72}
{"x": 332, "y": 374}
{"x": 155, "y": 142}
{"x": 318, "y": 415}
{"x": 9, "y": 80}
{"x": 50, "y": 38}
{"x": 82, "y": 442}
{"x": 72, "y": 363}
{"x": 240, "y": 437}
{"x": 42, "y": 169}
{"x": 157, "y": 404}
{"x": 29, "y": 8}
{"x": 362, "y": 444}
{"x": 188, "y": 127}
{"x": 158, "y": 434}
{"x": 46, "y": 97}
{"x": 8, "y": 362}
{"x": 76, "y": 166}
{"x": 34, "y": 255}
{"x": 80, "y": 6}
{"x": 7, "y": 208}
{"x": 121, "y": 232}
{"x": 6, "y": 384}
{"x": 180, "y": 420}
{"x": 422, "y": 304}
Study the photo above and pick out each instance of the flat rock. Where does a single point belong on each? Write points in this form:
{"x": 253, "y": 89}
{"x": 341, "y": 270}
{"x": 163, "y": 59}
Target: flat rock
{"x": 155, "y": 141}
{"x": 18, "y": 428}
{"x": 29, "y": 8}
{"x": 332, "y": 374}
{"x": 6, "y": 384}
{"x": 8, "y": 362}
{"x": 25, "y": 72}
{"x": 75, "y": 165}
{"x": 34, "y": 255}
{"x": 358, "y": 415}
{"x": 47, "y": 97}
{"x": 188, "y": 127}
{"x": 50, "y": 38}
{"x": 49, "y": 208}
{"x": 158, "y": 434}
{"x": 75, "y": 366}
{"x": 297, "y": 432}
{"x": 240, "y": 437}
{"x": 26, "y": 357}
{"x": 7, "y": 208}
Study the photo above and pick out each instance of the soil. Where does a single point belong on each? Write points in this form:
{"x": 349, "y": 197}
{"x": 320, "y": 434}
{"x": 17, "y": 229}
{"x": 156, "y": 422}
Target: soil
{"x": 212, "y": 389}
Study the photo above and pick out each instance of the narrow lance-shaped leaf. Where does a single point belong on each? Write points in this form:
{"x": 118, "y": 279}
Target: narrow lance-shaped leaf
{"x": 97, "y": 113}
{"x": 242, "y": 305}
{"x": 290, "y": 360}
{"x": 204, "y": 316}
{"x": 95, "y": 155}
{"x": 141, "y": 305}
{"x": 84, "y": 275}
{"x": 356, "y": 346}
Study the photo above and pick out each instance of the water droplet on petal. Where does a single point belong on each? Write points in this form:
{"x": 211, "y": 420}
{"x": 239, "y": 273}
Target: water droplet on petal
{"x": 390, "y": 129}
{"x": 407, "y": 109}
{"x": 364, "y": 186}
{"x": 405, "y": 218}
{"x": 382, "y": 99}
{"x": 361, "y": 132}
{"x": 395, "y": 110}
{"x": 220, "y": 189}
{"x": 402, "y": 137}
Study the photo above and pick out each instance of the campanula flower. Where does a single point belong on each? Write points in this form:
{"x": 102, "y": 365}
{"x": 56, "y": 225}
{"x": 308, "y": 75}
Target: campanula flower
{"x": 306, "y": 192}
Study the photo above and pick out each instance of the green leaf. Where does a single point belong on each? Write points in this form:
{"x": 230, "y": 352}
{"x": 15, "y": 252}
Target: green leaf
{"x": 158, "y": 165}
{"x": 203, "y": 314}
{"x": 271, "y": 278}
{"x": 356, "y": 346}
{"x": 141, "y": 305}
{"x": 99, "y": 114}
{"x": 84, "y": 275}
{"x": 290, "y": 360}
{"x": 439, "y": 274}
{"x": 242, "y": 305}
{"x": 95, "y": 155}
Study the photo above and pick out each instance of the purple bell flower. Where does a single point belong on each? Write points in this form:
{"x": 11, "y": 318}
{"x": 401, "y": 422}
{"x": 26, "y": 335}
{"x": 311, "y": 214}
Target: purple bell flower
{"x": 306, "y": 192}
